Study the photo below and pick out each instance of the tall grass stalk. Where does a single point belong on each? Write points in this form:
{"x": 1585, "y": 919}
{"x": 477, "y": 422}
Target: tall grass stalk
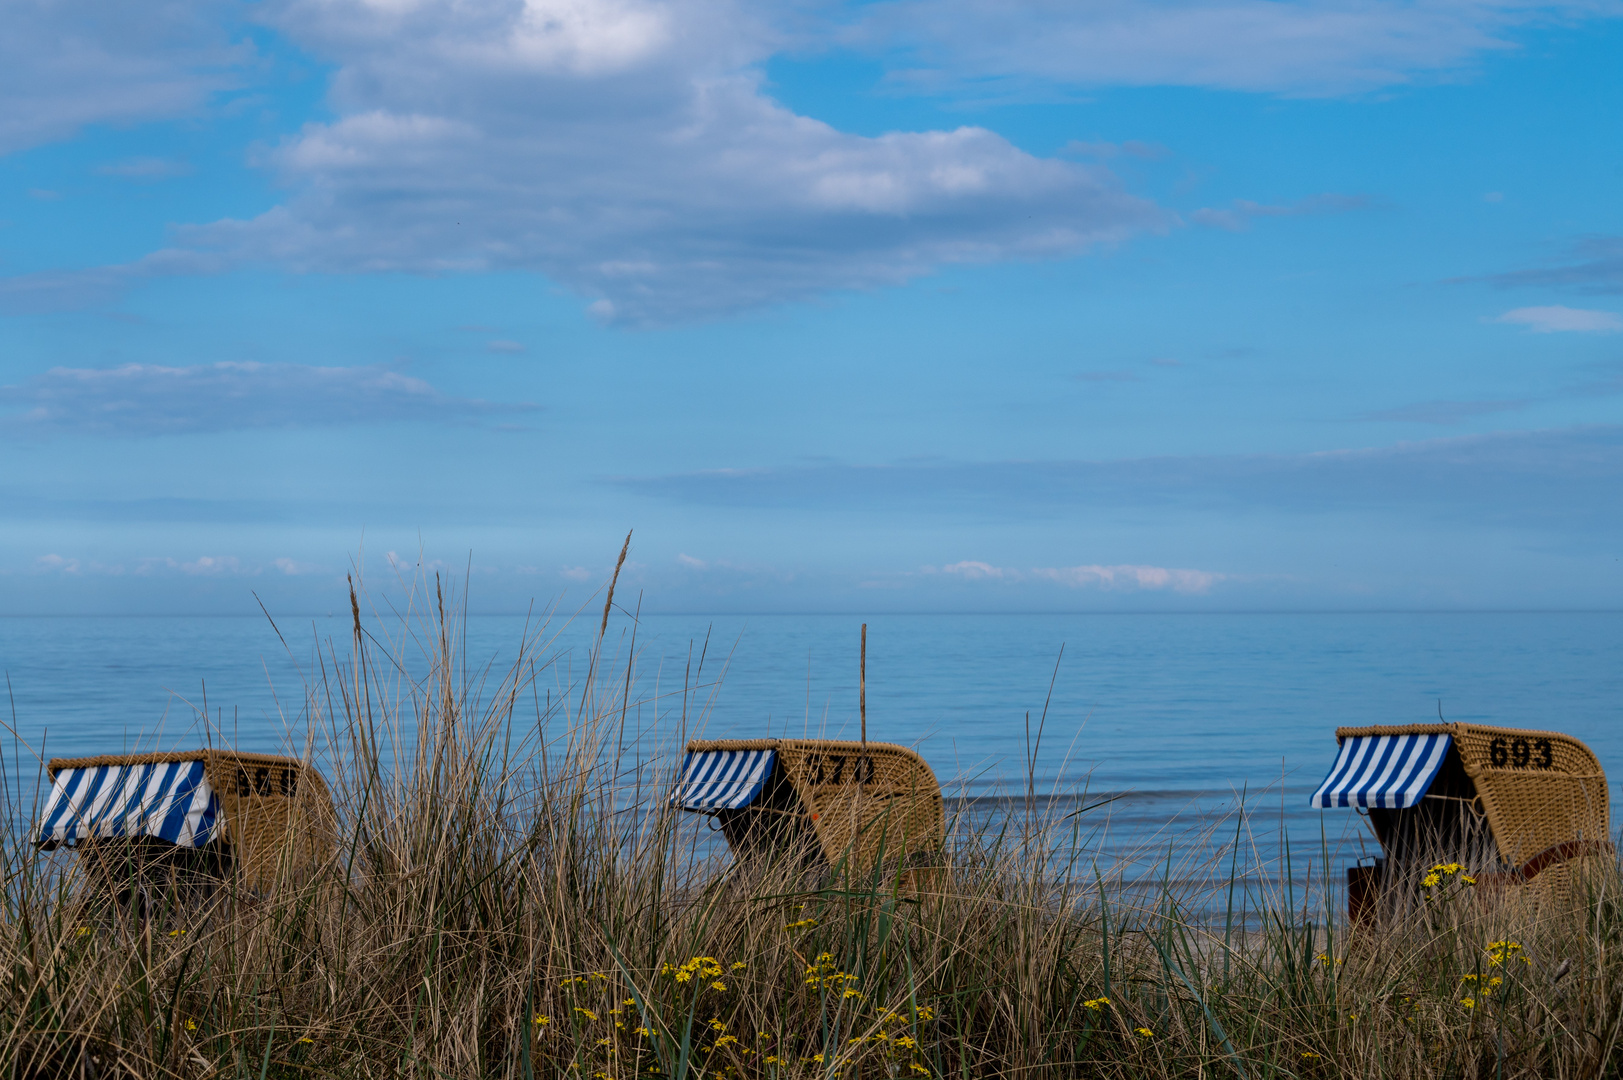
{"x": 512, "y": 897}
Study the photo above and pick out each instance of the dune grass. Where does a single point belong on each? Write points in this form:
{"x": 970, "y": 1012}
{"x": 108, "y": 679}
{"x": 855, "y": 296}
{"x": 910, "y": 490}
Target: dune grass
{"x": 510, "y": 898}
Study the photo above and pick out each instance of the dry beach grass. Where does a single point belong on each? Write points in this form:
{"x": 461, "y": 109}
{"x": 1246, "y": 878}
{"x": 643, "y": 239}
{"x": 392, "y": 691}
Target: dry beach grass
{"x": 511, "y": 898}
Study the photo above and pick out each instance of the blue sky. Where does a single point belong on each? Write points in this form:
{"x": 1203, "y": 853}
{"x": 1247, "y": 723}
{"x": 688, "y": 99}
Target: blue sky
{"x": 897, "y": 306}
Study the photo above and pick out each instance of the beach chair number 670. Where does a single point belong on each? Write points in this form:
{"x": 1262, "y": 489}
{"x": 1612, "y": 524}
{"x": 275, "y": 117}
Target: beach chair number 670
{"x": 861, "y": 768}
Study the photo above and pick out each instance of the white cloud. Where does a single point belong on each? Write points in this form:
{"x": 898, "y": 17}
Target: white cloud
{"x": 169, "y": 566}
{"x": 1557, "y": 319}
{"x": 974, "y": 570}
{"x": 690, "y": 562}
{"x": 1118, "y": 577}
{"x": 1132, "y": 577}
{"x": 149, "y": 399}
{"x": 1310, "y": 47}
{"x": 212, "y": 565}
{"x": 626, "y": 150}
{"x": 66, "y": 65}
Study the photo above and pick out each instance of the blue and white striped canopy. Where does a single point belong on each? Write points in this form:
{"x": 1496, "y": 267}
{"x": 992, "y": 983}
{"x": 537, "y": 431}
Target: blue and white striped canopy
{"x": 1387, "y": 771}
{"x": 171, "y": 800}
{"x": 722, "y": 779}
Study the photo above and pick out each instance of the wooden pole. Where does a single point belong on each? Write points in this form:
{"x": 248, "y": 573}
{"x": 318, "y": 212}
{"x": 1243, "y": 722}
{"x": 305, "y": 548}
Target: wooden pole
{"x": 862, "y": 685}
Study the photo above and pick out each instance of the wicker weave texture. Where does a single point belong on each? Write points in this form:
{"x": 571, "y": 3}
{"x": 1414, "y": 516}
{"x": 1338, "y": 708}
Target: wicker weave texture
{"x": 1538, "y": 789}
{"x": 278, "y": 814}
{"x": 866, "y": 801}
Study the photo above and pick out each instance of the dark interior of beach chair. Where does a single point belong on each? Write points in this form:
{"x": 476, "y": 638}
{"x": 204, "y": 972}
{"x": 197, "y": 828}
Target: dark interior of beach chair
{"x": 1441, "y": 828}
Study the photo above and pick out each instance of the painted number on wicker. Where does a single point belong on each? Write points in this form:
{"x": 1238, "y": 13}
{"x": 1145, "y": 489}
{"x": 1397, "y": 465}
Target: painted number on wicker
{"x": 267, "y": 781}
{"x": 832, "y": 769}
{"x": 1521, "y": 753}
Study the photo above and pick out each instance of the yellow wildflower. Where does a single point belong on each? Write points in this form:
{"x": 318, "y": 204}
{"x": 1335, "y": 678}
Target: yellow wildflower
{"x": 1469, "y": 1003}
{"x": 588, "y": 1013}
{"x": 543, "y": 1020}
{"x": 920, "y": 1069}
{"x": 1096, "y": 1004}
{"x": 1144, "y": 1033}
{"x": 727, "y": 1040}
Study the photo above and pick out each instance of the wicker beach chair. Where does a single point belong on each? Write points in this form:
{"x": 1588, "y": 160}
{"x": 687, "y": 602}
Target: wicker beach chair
{"x": 839, "y": 803}
{"x": 199, "y": 815}
{"x": 1512, "y": 806}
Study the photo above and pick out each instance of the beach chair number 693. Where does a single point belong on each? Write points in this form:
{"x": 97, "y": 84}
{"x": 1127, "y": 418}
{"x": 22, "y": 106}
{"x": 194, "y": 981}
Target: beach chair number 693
{"x": 263, "y": 781}
{"x": 830, "y": 769}
{"x": 1519, "y": 753}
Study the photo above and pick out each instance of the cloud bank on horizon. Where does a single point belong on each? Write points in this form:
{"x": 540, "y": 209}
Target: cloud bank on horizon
{"x": 1064, "y": 297}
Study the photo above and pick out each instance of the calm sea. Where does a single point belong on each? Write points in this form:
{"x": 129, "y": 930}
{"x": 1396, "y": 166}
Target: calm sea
{"x": 1176, "y": 713}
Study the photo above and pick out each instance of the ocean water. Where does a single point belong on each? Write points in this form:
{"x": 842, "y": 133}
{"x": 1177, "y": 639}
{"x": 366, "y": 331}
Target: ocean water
{"x": 1171, "y": 716}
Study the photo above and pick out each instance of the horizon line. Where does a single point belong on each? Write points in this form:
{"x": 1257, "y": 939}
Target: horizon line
{"x": 335, "y": 613}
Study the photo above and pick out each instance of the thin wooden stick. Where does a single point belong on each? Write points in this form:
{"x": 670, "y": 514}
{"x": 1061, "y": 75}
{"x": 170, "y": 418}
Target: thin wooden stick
{"x": 862, "y": 685}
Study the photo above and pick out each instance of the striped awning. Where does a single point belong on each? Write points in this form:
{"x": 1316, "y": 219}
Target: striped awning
{"x": 171, "y": 800}
{"x": 722, "y": 779}
{"x": 1387, "y": 771}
